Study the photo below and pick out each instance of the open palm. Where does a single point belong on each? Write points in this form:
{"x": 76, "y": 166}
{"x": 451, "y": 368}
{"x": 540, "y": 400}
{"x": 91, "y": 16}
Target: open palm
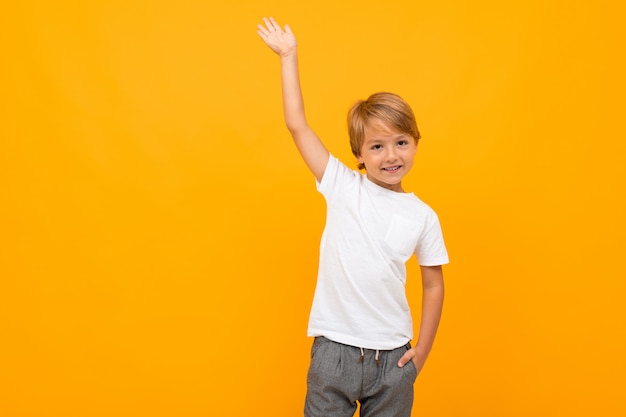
{"x": 283, "y": 42}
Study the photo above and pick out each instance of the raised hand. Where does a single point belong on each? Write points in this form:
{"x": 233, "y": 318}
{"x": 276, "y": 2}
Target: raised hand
{"x": 311, "y": 148}
{"x": 283, "y": 42}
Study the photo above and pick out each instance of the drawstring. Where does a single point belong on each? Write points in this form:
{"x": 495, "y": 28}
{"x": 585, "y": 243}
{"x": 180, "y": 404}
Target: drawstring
{"x": 376, "y": 358}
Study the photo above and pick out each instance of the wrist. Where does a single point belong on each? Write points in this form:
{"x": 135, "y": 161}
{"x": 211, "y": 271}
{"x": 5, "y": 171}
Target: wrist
{"x": 421, "y": 349}
{"x": 288, "y": 55}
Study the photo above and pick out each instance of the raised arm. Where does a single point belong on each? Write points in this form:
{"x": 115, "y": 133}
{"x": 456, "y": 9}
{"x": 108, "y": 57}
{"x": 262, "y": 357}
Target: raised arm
{"x": 283, "y": 42}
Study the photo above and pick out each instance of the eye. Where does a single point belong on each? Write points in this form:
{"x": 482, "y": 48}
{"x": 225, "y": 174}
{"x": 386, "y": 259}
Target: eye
{"x": 376, "y": 147}
{"x": 403, "y": 142}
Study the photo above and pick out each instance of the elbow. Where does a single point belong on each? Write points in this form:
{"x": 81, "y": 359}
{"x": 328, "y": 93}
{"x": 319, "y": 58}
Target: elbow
{"x": 297, "y": 128}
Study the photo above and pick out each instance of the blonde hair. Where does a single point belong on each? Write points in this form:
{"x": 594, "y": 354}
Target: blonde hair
{"x": 388, "y": 108}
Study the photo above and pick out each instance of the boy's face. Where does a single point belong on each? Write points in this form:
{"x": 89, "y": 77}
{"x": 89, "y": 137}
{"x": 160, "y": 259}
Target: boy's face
{"x": 387, "y": 154}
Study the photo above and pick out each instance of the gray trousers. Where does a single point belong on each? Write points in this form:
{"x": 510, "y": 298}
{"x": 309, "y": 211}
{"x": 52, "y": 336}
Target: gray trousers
{"x": 339, "y": 376}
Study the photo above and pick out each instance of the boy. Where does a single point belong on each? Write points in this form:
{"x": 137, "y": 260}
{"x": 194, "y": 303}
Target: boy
{"x": 360, "y": 316}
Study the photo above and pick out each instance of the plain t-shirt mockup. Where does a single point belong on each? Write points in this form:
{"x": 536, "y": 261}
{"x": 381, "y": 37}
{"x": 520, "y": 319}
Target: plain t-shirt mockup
{"x": 370, "y": 234}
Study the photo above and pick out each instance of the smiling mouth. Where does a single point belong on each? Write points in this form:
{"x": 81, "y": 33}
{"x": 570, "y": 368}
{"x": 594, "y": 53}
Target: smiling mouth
{"x": 392, "y": 169}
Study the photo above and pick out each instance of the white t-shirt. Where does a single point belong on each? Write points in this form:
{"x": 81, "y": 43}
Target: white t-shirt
{"x": 370, "y": 234}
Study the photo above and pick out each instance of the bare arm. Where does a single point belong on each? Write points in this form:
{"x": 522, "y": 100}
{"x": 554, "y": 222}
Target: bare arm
{"x": 283, "y": 42}
{"x": 432, "y": 305}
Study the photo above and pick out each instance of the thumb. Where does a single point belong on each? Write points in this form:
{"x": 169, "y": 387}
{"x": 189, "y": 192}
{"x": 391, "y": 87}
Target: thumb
{"x": 406, "y": 358}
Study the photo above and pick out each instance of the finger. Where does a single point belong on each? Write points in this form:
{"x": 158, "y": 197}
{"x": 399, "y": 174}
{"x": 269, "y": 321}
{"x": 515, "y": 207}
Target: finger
{"x": 274, "y": 23}
{"x": 268, "y": 24}
{"x": 288, "y": 29}
{"x": 263, "y": 33}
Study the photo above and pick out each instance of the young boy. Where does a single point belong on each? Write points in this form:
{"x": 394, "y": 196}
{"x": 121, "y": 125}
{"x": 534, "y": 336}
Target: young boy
{"x": 360, "y": 317}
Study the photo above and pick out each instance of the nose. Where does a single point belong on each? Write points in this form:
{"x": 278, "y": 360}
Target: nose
{"x": 390, "y": 155}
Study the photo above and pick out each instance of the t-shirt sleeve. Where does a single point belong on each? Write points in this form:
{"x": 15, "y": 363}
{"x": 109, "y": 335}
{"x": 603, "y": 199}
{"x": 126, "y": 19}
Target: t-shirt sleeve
{"x": 336, "y": 178}
{"x": 431, "y": 249}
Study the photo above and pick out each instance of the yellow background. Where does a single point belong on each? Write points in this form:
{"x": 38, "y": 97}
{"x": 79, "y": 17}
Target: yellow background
{"x": 159, "y": 234}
